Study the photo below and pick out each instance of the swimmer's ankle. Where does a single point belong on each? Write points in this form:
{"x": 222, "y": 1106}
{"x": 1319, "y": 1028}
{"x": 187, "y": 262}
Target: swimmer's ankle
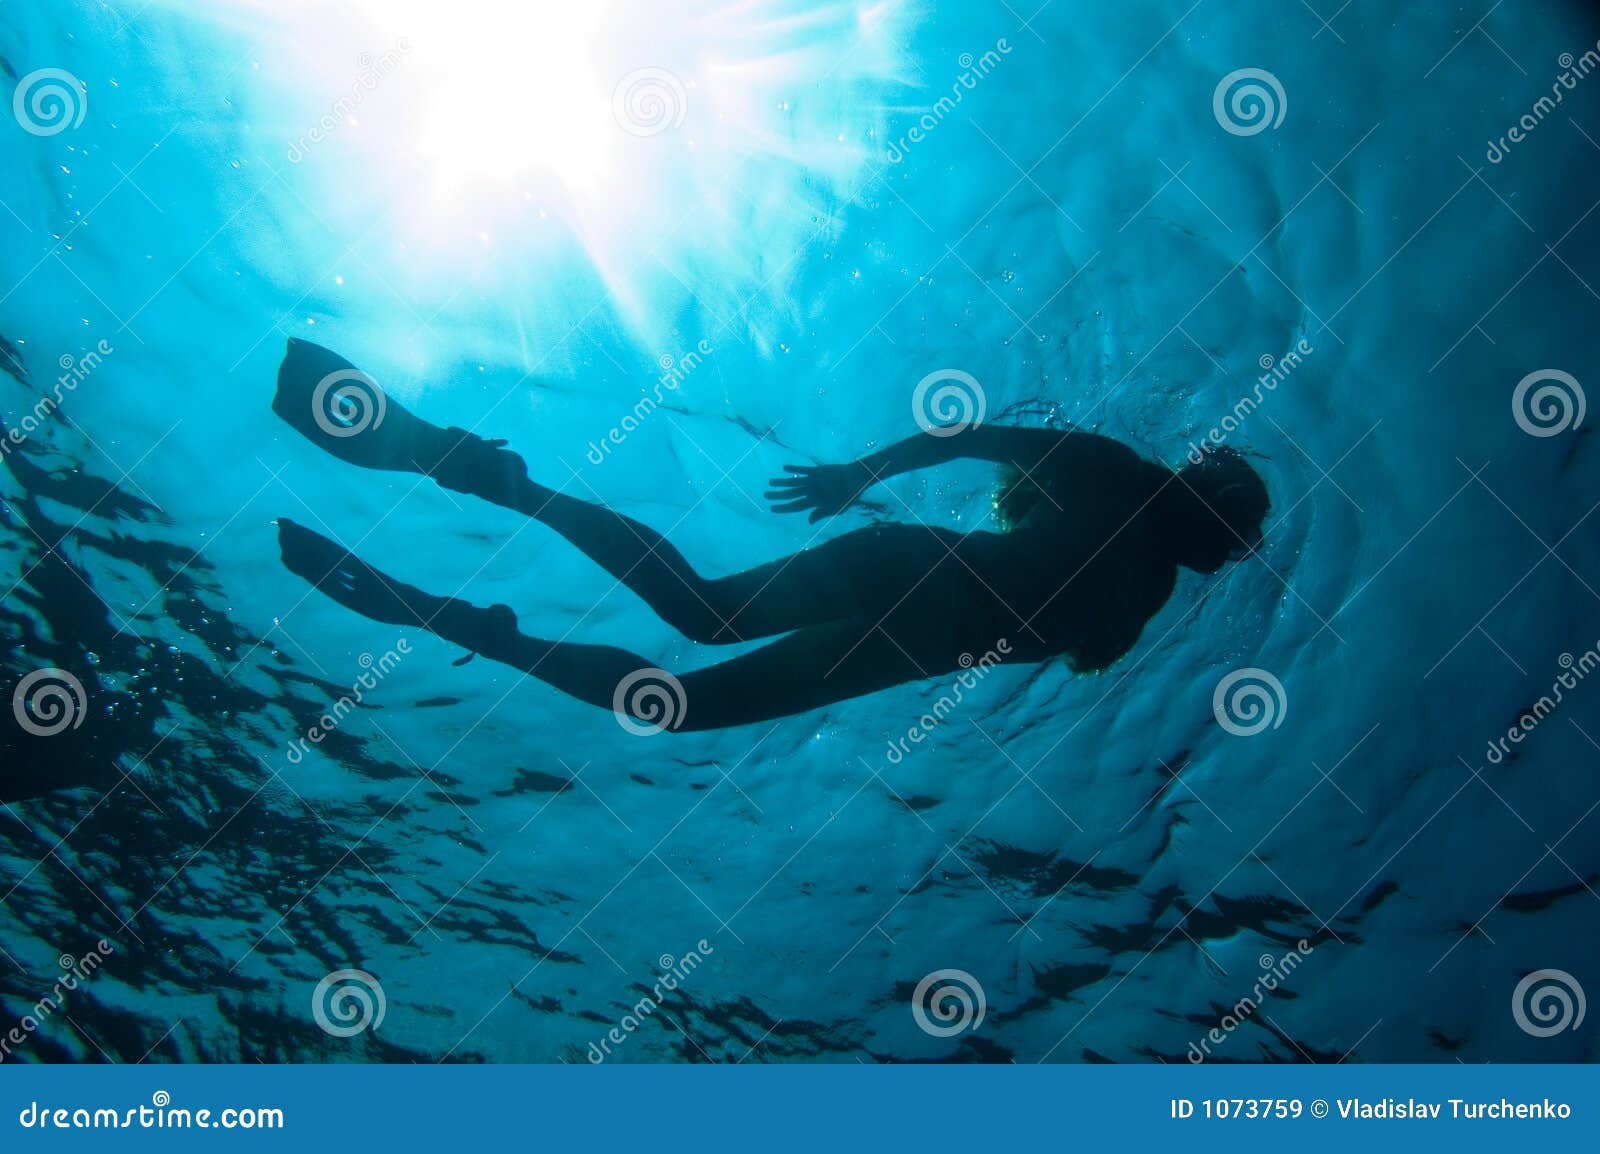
{"x": 466, "y": 624}
{"x": 468, "y": 463}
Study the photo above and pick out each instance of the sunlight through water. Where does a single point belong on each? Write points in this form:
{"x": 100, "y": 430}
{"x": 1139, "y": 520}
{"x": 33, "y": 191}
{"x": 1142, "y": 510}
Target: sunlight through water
{"x": 548, "y": 153}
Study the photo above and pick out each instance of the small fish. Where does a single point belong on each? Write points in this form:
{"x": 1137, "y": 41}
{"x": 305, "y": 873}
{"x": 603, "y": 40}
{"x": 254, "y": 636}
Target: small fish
{"x": 463, "y": 660}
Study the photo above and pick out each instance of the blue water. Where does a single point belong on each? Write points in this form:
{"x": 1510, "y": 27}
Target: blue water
{"x": 1083, "y": 234}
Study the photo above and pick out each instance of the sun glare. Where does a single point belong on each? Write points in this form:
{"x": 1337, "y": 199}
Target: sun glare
{"x": 502, "y": 89}
{"x": 686, "y": 152}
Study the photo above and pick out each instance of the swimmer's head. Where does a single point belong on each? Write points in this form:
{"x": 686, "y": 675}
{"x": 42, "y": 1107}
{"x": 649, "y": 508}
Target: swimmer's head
{"x": 1211, "y": 513}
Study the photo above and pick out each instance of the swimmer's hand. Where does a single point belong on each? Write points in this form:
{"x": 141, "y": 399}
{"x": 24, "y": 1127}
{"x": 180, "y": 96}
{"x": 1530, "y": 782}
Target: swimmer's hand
{"x": 827, "y": 490}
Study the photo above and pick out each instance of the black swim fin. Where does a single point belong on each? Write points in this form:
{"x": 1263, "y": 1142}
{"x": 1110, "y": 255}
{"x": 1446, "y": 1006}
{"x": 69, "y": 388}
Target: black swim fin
{"x": 344, "y": 410}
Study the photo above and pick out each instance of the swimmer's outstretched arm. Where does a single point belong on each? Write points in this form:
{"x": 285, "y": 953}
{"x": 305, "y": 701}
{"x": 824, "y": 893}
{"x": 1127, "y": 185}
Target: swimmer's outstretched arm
{"x": 1003, "y": 444}
{"x": 827, "y": 490}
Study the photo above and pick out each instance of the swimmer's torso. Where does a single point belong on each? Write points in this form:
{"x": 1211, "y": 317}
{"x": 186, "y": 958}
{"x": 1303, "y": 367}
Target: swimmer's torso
{"x": 1080, "y": 574}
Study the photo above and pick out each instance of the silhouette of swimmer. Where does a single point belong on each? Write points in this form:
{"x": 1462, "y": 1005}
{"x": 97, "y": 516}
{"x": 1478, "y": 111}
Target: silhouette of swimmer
{"x": 1096, "y": 539}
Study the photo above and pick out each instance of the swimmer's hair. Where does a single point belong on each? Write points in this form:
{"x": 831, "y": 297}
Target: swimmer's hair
{"x": 1211, "y": 513}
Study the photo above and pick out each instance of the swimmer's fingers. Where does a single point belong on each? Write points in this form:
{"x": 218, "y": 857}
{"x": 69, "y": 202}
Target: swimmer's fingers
{"x": 798, "y": 475}
{"x": 827, "y": 490}
{"x": 797, "y": 498}
{"x": 794, "y": 493}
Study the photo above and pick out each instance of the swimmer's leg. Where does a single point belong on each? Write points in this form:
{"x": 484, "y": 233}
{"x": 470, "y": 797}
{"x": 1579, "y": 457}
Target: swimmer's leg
{"x": 864, "y": 573}
{"x": 806, "y": 670}
{"x": 859, "y": 574}
{"x": 588, "y": 672}
{"x": 353, "y": 583}
{"x": 343, "y": 411}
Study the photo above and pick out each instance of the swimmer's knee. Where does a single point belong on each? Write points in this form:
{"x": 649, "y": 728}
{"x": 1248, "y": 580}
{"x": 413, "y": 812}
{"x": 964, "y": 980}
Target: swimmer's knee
{"x": 705, "y": 615}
